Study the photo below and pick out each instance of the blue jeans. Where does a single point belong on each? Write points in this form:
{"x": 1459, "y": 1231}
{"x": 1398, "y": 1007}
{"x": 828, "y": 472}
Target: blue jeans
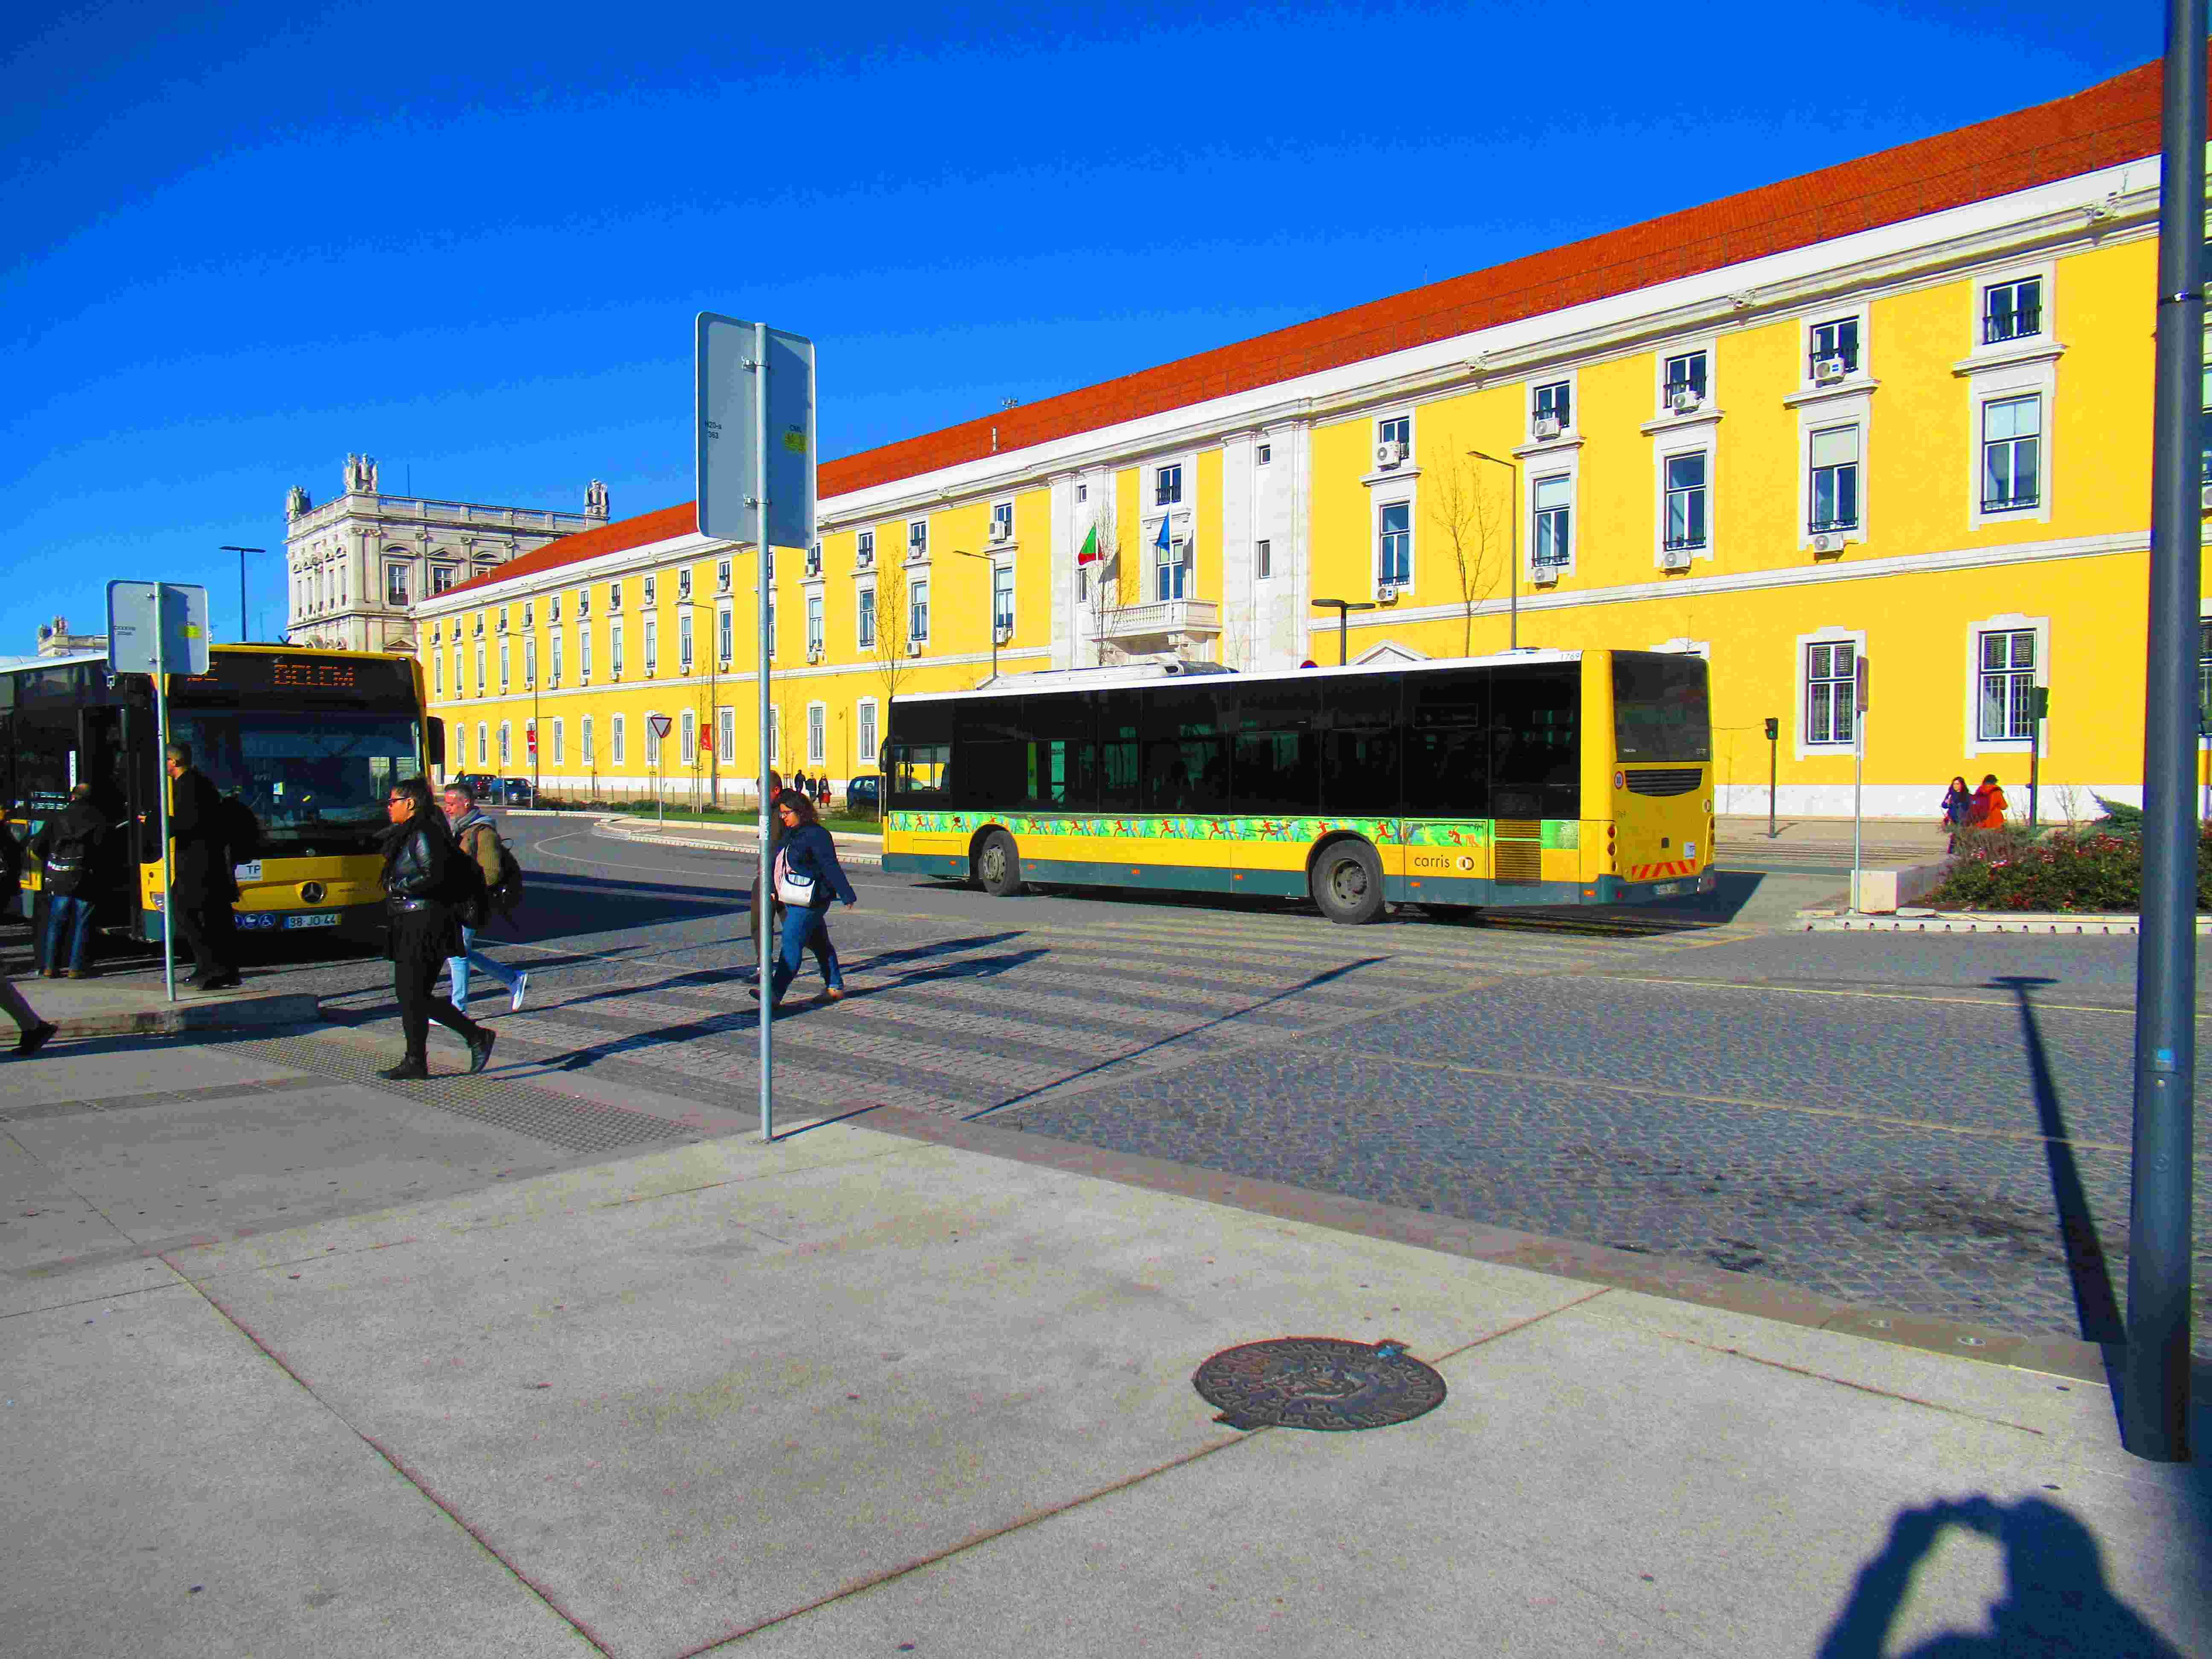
{"x": 804, "y": 928}
{"x": 68, "y": 920}
{"x": 458, "y": 969}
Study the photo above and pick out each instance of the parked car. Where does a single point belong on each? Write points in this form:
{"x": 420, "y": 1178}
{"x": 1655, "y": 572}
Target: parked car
{"x": 482, "y": 785}
{"x": 863, "y": 796}
{"x": 515, "y": 791}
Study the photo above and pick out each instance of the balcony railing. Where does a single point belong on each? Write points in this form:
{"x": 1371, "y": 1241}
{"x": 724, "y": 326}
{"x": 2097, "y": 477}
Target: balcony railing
{"x": 1164, "y": 617}
{"x": 2012, "y": 504}
{"x": 2016, "y": 324}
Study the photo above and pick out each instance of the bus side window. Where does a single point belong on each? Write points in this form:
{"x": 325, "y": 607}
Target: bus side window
{"x": 1277, "y": 764}
{"x": 918, "y": 774}
{"x": 1360, "y": 746}
{"x": 1118, "y": 774}
{"x": 1533, "y": 755}
{"x": 1186, "y": 758}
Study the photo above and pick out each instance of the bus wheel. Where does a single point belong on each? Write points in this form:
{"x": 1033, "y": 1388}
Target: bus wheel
{"x": 1347, "y": 882}
{"x": 997, "y": 867}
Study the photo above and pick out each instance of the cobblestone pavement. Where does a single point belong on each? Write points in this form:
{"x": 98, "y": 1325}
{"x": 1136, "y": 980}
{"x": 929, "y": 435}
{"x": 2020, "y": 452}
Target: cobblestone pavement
{"x": 1918, "y": 1124}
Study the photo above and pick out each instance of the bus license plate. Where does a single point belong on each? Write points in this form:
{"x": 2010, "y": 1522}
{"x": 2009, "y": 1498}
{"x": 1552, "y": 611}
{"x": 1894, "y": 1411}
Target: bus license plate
{"x": 255, "y": 921}
{"x": 249, "y": 871}
{"x": 327, "y": 918}
{"x": 1666, "y": 887}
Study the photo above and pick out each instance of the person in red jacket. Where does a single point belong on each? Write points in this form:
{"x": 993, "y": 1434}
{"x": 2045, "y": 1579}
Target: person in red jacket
{"x": 1989, "y": 808}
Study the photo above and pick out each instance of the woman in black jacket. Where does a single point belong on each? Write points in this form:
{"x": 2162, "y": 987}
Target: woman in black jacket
{"x": 806, "y": 859}
{"x": 423, "y": 879}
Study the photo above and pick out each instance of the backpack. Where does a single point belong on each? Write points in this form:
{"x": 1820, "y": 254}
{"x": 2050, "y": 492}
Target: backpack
{"x": 504, "y": 893}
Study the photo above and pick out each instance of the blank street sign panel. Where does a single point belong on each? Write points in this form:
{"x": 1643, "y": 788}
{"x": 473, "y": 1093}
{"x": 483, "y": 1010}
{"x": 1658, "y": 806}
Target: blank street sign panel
{"x": 728, "y": 427}
{"x": 131, "y": 628}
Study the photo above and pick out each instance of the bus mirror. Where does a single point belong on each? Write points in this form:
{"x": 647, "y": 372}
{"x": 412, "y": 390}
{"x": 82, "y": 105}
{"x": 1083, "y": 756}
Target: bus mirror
{"x": 433, "y": 743}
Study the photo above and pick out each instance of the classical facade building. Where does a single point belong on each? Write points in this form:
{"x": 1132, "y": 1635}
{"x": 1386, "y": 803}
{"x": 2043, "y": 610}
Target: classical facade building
{"x": 55, "y": 639}
{"x": 358, "y": 561}
{"x": 1896, "y": 411}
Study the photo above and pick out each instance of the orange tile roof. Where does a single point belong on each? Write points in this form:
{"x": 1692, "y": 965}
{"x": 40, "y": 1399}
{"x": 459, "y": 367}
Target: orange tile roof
{"x": 2115, "y": 121}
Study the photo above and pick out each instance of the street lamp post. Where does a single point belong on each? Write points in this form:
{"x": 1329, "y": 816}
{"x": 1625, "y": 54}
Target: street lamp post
{"x": 244, "y": 629}
{"x": 1513, "y": 574}
{"x": 1344, "y": 608}
{"x": 991, "y": 607}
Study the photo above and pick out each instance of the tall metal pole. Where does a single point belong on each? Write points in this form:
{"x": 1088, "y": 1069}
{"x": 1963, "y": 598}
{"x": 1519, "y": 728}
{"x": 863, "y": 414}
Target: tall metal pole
{"x": 245, "y": 631}
{"x": 1343, "y": 634}
{"x": 759, "y": 367}
{"x": 2154, "y": 1383}
{"x": 161, "y": 789}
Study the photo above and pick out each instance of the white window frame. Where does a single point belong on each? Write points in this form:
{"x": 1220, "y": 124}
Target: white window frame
{"x": 618, "y": 741}
{"x": 1662, "y": 397}
{"x": 560, "y": 741}
{"x": 1800, "y": 677}
{"x": 1178, "y": 555}
{"x": 1263, "y": 559}
{"x": 614, "y": 648}
{"x": 1005, "y": 568}
{"x": 917, "y": 608}
{"x": 1702, "y": 445}
{"x": 725, "y": 634}
{"x": 1381, "y": 504}
{"x": 1860, "y": 372}
{"x": 2032, "y": 370}
{"x": 775, "y": 736}
{"x": 917, "y": 541}
{"x": 2044, "y": 274}
{"x": 529, "y": 661}
{"x": 403, "y": 569}
{"x": 2008, "y": 623}
{"x": 437, "y": 674}
{"x": 483, "y": 744}
{"x": 817, "y": 638}
{"x": 584, "y": 651}
{"x": 818, "y": 734}
{"x": 864, "y": 550}
{"x": 865, "y": 620}
{"x": 553, "y": 643}
{"x": 687, "y": 738}
{"x": 652, "y": 592}
{"x": 1002, "y": 512}
{"x": 585, "y": 735}
{"x": 652, "y": 645}
{"x": 867, "y": 733}
{"x": 1570, "y": 428}
{"x": 483, "y": 684}
{"x": 506, "y": 744}
{"x": 505, "y": 666}
{"x": 1156, "y": 477}
{"x": 1820, "y": 416}
{"x": 460, "y": 686}
{"x": 1263, "y": 454}
{"x": 683, "y": 641}
{"x": 1528, "y": 542}
{"x": 725, "y": 733}
{"x": 441, "y": 577}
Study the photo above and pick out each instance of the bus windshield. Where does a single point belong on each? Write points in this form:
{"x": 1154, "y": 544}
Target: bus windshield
{"x": 1660, "y": 711}
{"x": 316, "y": 783}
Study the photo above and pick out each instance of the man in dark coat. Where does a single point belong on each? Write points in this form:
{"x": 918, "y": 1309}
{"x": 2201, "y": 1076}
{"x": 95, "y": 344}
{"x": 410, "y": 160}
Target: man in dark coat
{"x": 201, "y": 884}
{"x": 70, "y": 848}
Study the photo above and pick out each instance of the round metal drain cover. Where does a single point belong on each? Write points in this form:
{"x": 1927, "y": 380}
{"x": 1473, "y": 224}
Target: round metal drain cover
{"x": 1325, "y": 1383}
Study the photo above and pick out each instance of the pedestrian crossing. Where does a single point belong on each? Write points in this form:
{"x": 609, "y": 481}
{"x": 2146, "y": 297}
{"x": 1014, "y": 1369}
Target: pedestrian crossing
{"x": 965, "y": 1014}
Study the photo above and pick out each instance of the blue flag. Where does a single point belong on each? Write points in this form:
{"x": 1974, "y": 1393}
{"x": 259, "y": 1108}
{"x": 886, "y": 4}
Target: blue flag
{"x": 1161, "y": 540}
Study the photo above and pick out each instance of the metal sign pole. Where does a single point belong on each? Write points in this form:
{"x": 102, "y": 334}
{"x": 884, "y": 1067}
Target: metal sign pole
{"x": 161, "y": 794}
{"x": 759, "y": 367}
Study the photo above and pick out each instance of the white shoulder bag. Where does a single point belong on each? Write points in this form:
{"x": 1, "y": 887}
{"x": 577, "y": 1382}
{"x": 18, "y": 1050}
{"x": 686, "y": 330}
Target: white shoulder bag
{"x": 790, "y": 888}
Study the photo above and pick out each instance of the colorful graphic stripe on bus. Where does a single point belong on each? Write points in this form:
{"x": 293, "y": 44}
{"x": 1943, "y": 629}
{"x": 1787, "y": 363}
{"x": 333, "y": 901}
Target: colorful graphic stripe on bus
{"x": 1556, "y": 834}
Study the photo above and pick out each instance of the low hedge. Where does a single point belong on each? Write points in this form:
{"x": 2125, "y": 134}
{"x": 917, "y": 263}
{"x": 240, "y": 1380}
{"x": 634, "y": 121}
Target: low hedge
{"x": 2095, "y": 869}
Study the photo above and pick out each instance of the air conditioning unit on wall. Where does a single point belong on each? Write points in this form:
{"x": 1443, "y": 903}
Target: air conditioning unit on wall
{"x": 1548, "y": 426}
{"x": 1827, "y": 371}
{"x": 1390, "y": 454}
{"x": 1386, "y": 593}
{"x": 1685, "y": 400}
{"x": 914, "y": 648}
{"x": 1827, "y": 542}
{"x": 1001, "y": 531}
{"x": 1675, "y": 558}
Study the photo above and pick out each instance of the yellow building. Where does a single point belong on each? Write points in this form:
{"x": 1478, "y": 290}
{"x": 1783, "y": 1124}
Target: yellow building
{"x": 1896, "y": 413}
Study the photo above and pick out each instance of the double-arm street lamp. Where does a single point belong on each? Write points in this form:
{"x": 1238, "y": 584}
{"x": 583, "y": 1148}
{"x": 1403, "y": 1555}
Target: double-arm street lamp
{"x": 1344, "y": 608}
{"x": 245, "y": 629}
{"x": 994, "y": 607}
{"x": 1513, "y": 573}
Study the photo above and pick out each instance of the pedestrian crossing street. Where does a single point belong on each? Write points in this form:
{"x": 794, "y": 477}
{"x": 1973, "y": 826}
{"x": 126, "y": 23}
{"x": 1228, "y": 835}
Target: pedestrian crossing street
{"x": 963, "y": 1015}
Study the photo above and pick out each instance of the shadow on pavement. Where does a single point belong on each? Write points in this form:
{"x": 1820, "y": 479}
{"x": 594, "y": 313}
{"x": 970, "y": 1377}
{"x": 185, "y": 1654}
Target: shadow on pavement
{"x": 2055, "y": 1599}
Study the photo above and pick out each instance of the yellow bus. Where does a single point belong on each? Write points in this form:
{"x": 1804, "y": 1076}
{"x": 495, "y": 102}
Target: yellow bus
{"x": 305, "y": 742}
{"x": 1537, "y": 777}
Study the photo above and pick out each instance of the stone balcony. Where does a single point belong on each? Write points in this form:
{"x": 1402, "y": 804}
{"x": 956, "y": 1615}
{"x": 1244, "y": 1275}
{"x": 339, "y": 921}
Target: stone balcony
{"x": 1184, "y": 627}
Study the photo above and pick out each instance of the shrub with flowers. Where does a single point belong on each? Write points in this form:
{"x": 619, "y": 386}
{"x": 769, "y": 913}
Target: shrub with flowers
{"x": 2098, "y": 868}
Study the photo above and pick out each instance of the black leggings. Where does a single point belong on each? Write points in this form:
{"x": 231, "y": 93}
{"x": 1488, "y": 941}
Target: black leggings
{"x": 419, "y": 942}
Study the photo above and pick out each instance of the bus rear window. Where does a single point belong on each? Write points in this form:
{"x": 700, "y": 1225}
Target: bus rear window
{"x": 1660, "y": 710}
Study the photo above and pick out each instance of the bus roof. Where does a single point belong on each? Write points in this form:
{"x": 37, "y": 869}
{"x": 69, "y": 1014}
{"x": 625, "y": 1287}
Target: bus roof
{"x": 1036, "y": 684}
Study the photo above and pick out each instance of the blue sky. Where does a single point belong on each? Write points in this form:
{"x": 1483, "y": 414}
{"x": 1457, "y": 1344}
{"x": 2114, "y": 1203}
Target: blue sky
{"x": 243, "y": 242}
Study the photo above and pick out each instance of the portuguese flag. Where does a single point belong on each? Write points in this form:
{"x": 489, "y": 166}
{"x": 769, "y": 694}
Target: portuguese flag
{"x": 1090, "y": 553}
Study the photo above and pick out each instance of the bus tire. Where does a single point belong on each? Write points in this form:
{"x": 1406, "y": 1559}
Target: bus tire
{"x": 998, "y": 866}
{"x": 1347, "y": 882}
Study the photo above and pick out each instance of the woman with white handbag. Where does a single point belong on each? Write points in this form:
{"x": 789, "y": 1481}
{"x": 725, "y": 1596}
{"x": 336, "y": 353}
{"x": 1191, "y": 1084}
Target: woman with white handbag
{"x": 807, "y": 875}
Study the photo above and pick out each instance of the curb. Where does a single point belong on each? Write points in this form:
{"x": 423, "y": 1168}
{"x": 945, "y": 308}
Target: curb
{"x": 1975, "y": 922}
{"x": 620, "y": 829}
{"x": 165, "y": 1020}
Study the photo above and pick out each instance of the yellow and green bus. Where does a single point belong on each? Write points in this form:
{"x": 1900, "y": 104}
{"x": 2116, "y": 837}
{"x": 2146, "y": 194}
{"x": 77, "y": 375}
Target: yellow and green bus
{"x": 306, "y": 742}
{"x": 1538, "y": 777}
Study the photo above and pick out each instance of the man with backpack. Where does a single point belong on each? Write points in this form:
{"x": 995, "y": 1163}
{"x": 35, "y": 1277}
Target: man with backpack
{"x": 69, "y": 847}
{"x": 495, "y": 880}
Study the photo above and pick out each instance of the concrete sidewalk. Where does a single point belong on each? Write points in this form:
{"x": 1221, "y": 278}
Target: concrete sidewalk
{"x": 132, "y": 1001}
{"x": 900, "y": 1384}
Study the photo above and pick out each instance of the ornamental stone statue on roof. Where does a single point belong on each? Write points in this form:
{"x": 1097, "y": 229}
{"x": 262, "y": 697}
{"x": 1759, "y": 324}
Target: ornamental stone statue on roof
{"x": 595, "y": 499}
{"x": 296, "y": 502}
{"x": 361, "y": 474}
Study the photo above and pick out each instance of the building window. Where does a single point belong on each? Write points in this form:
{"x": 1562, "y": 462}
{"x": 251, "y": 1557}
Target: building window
{"x": 529, "y": 614}
{"x": 687, "y": 738}
{"x": 771, "y": 626}
{"x": 506, "y": 744}
{"x": 484, "y": 744}
{"x": 441, "y": 577}
{"x": 395, "y": 585}
{"x": 1083, "y": 492}
{"x": 1263, "y": 559}
{"x": 864, "y": 550}
{"x": 1172, "y": 556}
{"x": 866, "y": 729}
{"x": 725, "y": 735}
{"x": 1167, "y": 487}
{"x": 1686, "y": 501}
{"x": 587, "y": 735}
{"x": 1002, "y": 598}
{"x": 775, "y": 736}
{"x": 560, "y": 745}
{"x": 1835, "y": 493}
{"x": 529, "y": 661}
{"x": 457, "y": 689}
{"x": 1551, "y": 505}
{"x": 615, "y": 649}
{"x": 721, "y": 575}
{"x": 2012, "y": 311}
{"x": 814, "y": 560}
{"x": 724, "y": 632}
{"x": 649, "y": 589}
{"x": 1393, "y": 439}
{"x": 620, "y": 737}
{"x": 1393, "y": 547}
{"x": 556, "y": 645}
{"x": 814, "y": 642}
{"x": 818, "y": 734}
{"x": 684, "y": 643}
{"x": 614, "y": 596}
{"x": 2011, "y": 438}
{"x": 437, "y": 675}
{"x": 684, "y": 584}
{"x": 1264, "y": 456}
{"x": 503, "y": 663}
{"x": 917, "y": 538}
{"x": 1553, "y": 410}
{"x": 2008, "y": 675}
{"x": 1831, "y": 691}
{"x": 1002, "y": 521}
{"x": 867, "y": 619}
{"x": 502, "y": 619}
{"x": 917, "y": 611}
{"x": 484, "y": 685}
{"x": 1837, "y": 343}
{"x": 584, "y": 650}
{"x": 652, "y": 644}
{"x": 1686, "y": 379}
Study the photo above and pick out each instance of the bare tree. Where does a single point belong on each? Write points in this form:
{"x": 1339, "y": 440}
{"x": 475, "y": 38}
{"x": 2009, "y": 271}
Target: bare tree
{"x": 1106, "y": 579}
{"x": 1474, "y": 514}
{"x": 894, "y": 664}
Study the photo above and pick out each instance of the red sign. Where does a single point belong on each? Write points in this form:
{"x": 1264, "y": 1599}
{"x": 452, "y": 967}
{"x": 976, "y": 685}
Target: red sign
{"x": 529, "y": 737}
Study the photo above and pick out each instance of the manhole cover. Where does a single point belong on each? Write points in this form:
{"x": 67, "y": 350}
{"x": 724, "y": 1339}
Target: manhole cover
{"x": 1325, "y": 1383}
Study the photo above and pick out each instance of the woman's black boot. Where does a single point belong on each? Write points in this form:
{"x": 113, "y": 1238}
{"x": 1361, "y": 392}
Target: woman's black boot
{"x": 407, "y": 1070}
